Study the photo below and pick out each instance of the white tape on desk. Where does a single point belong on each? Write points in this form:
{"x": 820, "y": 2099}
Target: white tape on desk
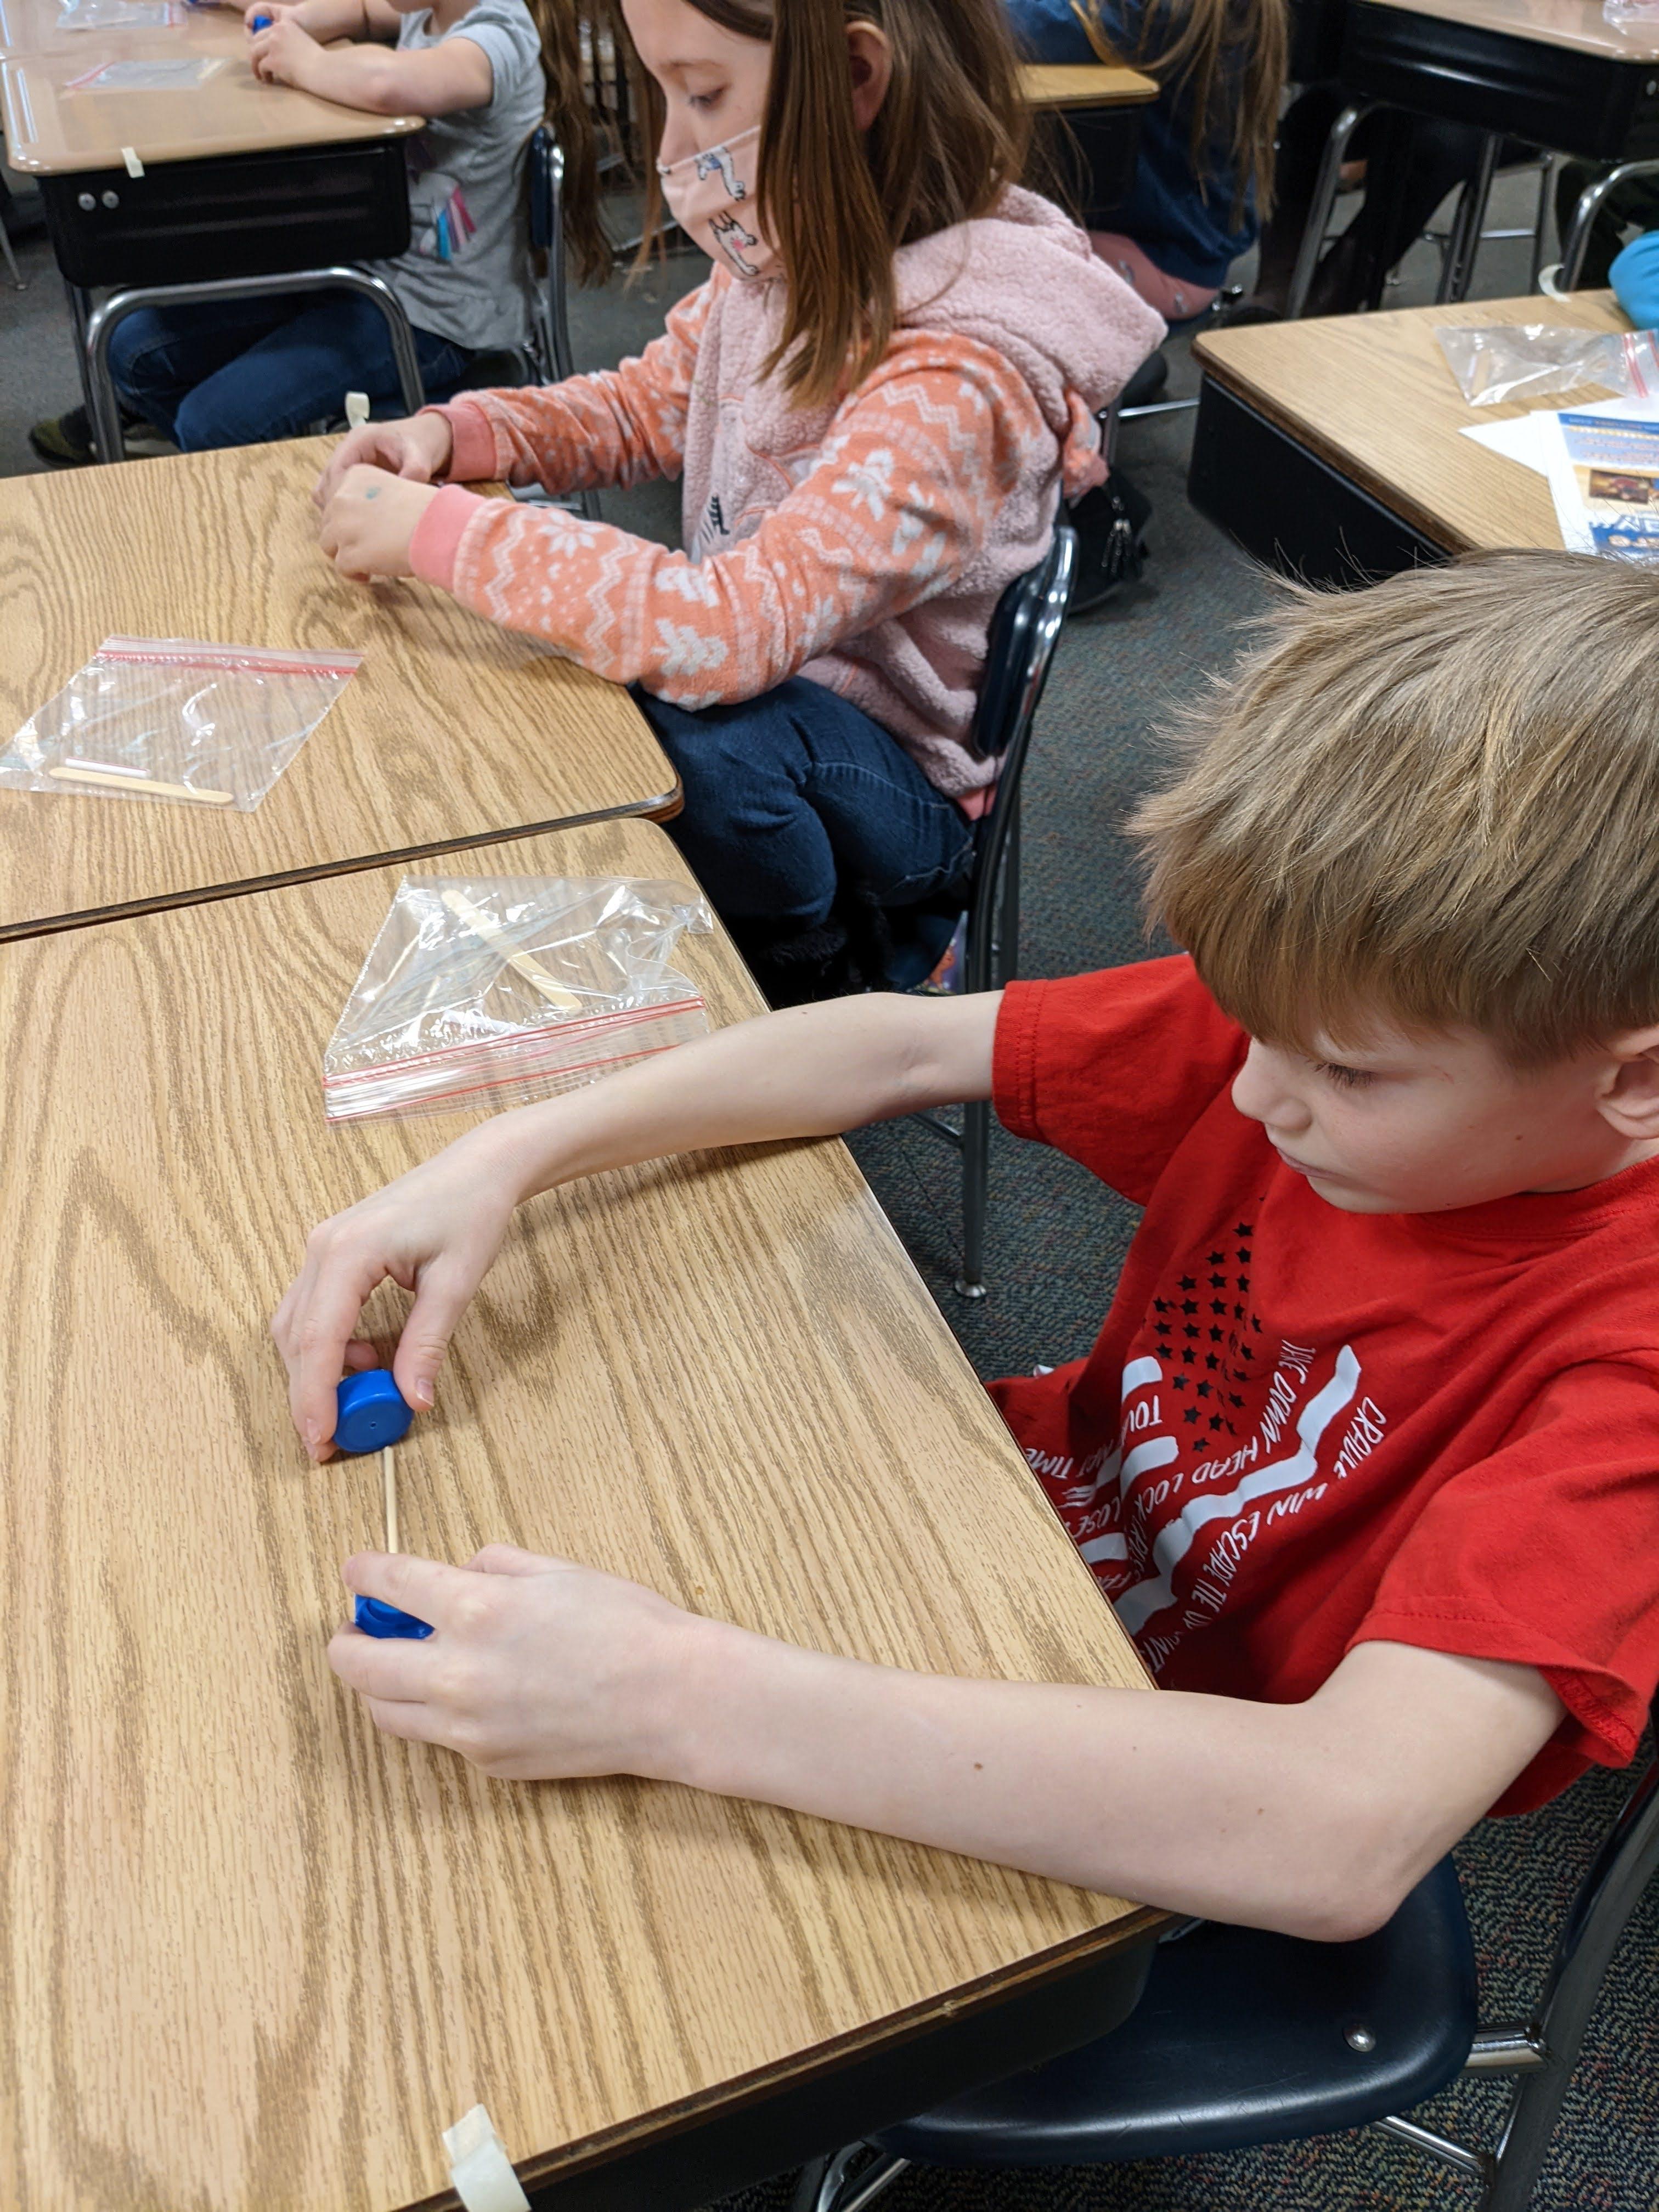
{"x": 129, "y": 155}
{"x": 480, "y": 2172}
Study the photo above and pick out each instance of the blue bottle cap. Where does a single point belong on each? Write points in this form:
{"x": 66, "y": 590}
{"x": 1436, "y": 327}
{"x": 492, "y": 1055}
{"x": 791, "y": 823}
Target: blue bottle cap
{"x": 260, "y": 23}
{"x": 370, "y": 1411}
{"x": 376, "y": 1618}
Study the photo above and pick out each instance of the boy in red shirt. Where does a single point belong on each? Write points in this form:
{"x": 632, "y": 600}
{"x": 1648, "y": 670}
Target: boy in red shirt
{"x": 1367, "y": 1453}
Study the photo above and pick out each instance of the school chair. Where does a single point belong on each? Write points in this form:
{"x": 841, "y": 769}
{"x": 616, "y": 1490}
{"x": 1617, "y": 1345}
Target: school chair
{"x": 1018, "y": 651}
{"x": 1458, "y": 245}
{"x": 547, "y": 359}
{"x": 1243, "y": 2038}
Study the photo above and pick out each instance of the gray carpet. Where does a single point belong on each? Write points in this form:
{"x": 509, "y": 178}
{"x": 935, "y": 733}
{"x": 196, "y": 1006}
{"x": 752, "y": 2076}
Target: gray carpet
{"x": 1056, "y": 1242}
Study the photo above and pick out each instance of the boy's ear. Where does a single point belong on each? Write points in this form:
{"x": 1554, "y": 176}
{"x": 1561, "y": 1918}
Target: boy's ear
{"x": 1630, "y": 1099}
{"x": 872, "y": 59}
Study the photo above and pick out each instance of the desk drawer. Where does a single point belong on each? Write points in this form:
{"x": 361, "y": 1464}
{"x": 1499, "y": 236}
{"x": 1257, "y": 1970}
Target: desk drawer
{"x": 248, "y": 215}
{"x": 1590, "y": 105}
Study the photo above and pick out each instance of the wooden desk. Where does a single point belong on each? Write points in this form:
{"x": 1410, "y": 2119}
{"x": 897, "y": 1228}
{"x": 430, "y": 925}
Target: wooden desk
{"x": 32, "y": 27}
{"x": 1332, "y": 449}
{"x": 53, "y": 130}
{"x": 258, "y": 1956}
{"x": 1086, "y": 84}
{"x": 452, "y": 732}
{"x": 1550, "y": 72}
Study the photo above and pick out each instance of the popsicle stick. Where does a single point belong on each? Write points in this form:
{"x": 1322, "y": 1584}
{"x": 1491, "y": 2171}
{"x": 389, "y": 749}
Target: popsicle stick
{"x": 112, "y": 780}
{"x": 389, "y": 1477}
{"x": 532, "y": 971}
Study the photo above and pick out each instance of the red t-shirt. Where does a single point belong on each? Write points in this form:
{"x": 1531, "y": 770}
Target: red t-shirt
{"x": 1300, "y": 1429}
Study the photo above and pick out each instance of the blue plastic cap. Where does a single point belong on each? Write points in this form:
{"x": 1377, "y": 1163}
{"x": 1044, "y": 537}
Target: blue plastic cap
{"x": 376, "y": 1618}
{"x": 370, "y": 1411}
{"x": 260, "y": 23}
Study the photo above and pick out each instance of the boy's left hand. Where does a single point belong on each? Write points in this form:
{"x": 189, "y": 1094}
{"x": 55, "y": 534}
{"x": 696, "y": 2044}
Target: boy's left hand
{"x": 370, "y": 521}
{"x": 282, "y": 51}
{"x": 536, "y": 1669}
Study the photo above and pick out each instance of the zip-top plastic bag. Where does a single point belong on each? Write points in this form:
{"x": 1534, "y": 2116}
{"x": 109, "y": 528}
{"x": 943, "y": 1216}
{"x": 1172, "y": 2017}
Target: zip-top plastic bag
{"x": 482, "y": 992}
{"x": 173, "y": 720}
{"x": 120, "y": 14}
{"x": 1530, "y": 361}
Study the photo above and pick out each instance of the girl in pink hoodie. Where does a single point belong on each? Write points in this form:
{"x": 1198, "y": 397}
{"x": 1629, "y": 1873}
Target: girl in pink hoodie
{"x": 876, "y": 402}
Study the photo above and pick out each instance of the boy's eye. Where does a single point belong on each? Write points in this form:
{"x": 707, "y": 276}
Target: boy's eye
{"x": 1347, "y": 1079}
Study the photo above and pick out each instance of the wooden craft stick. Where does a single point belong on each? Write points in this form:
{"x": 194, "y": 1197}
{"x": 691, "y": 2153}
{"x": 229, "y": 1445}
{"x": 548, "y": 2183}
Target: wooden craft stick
{"x": 481, "y": 925}
{"x": 389, "y": 1476}
{"x": 114, "y": 780}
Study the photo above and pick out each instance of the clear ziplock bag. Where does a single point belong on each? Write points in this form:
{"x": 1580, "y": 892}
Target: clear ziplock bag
{"x": 120, "y": 14}
{"x": 1530, "y": 361}
{"x": 482, "y": 992}
{"x": 174, "y": 73}
{"x": 171, "y": 721}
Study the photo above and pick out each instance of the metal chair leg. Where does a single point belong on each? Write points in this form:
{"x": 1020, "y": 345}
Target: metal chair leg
{"x": 1575, "y": 244}
{"x": 1324, "y": 200}
{"x": 1547, "y": 166}
{"x": 94, "y": 332}
{"x": 831, "y": 2184}
{"x": 17, "y": 283}
{"x": 1457, "y": 264}
{"x": 975, "y": 1196}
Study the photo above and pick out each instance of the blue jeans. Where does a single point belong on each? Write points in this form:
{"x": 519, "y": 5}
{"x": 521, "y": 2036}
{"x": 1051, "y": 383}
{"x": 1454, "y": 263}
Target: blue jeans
{"x": 792, "y": 794}
{"x": 238, "y": 372}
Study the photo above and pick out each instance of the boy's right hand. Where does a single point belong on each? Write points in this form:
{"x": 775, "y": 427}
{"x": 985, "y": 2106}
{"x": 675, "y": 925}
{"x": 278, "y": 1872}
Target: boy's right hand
{"x": 269, "y": 11}
{"x": 434, "y": 1231}
{"x": 418, "y": 447}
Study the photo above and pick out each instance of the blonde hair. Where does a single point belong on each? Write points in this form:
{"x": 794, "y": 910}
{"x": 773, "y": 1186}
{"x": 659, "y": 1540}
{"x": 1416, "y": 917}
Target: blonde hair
{"x": 1230, "y": 57}
{"x": 1437, "y": 802}
{"x": 949, "y": 138}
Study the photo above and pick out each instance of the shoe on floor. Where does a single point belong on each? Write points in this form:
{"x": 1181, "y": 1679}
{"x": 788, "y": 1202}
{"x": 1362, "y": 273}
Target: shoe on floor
{"x": 65, "y": 441}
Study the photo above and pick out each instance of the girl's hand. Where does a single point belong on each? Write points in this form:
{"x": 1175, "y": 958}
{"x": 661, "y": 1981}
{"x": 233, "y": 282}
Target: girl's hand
{"x": 417, "y": 448}
{"x": 272, "y": 11}
{"x": 434, "y": 1231}
{"x": 537, "y": 1670}
{"x": 284, "y": 52}
{"x": 370, "y": 522}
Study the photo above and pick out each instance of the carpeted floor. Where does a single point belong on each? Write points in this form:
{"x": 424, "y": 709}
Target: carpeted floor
{"x": 1056, "y": 1243}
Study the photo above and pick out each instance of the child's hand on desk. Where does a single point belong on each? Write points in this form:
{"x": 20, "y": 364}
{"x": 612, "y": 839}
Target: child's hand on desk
{"x": 281, "y": 53}
{"x": 435, "y": 1232}
{"x": 367, "y": 525}
{"x": 535, "y": 1670}
{"x": 418, "y": 449}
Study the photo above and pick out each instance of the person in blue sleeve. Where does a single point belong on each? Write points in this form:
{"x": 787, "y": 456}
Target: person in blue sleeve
{"x": 1204, "y": 173}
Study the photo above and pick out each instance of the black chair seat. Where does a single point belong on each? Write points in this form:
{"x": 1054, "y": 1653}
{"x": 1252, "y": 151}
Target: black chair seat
{"x": 1240, "y": 2038}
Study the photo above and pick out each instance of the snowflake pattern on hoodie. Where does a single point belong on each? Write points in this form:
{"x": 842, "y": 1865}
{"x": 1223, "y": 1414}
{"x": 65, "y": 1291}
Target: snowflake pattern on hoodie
{"x": 863, "y": 545}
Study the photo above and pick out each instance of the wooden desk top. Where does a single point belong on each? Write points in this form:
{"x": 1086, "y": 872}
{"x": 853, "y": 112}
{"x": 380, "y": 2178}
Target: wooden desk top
{"x": 452, "y": 730}
{"x": 1579, "y": 24}
{"x": 1084, "y": 85}
{"x": 52, "y": 130}
{"x": 1372, "y": 395}
{"x": 258, "y": 1955}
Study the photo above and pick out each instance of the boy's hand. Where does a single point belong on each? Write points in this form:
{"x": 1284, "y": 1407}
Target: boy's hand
{"x": 537, "y": 1670}
{"x": 369, "y": 524}
{"x": 417, "y": 449}
{"x": 272, "y": 11}
{"x": 283, "y": 52}
{"x": 434, "y": 1231}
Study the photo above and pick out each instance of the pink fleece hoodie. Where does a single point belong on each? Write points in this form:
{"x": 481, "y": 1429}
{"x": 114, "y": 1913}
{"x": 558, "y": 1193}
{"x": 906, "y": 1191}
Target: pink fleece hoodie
{"x": 863, "y": 544}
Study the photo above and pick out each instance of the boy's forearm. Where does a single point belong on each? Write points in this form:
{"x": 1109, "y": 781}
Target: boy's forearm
{"x": 808, "y": 1071}
{"x": 1313, "y": 1819}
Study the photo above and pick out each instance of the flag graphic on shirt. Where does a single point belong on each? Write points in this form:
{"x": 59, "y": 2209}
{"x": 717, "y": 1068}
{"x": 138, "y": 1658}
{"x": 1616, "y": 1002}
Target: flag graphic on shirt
{"x": 440, "y": 221}
{"x": 1223, "y": 1438}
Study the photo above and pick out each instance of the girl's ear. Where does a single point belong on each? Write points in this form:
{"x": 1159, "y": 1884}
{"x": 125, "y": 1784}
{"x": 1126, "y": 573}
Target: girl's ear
{"x": 871, "y": 60}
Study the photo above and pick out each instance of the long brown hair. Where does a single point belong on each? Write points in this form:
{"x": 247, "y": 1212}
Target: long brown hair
{"x": 950, "y": 135}
{"x": 568, "y": 116}
{"x": 1229, "y": 58}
